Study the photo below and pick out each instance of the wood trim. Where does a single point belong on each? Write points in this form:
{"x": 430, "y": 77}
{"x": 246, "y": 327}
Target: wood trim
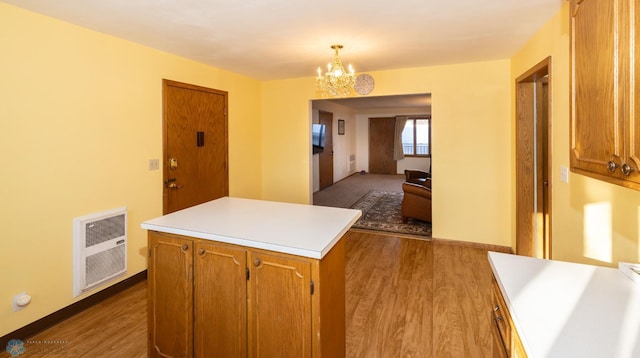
{"x": 526, "y": 144}
{"x": 475, "y": 245}
{"x": 67, "y": 312}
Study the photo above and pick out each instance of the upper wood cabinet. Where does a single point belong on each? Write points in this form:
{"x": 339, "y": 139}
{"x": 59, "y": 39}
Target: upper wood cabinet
{"x": 604, "y": 126}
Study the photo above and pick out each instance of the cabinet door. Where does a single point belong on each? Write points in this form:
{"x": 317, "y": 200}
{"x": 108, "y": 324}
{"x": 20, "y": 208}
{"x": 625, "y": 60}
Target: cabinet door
{"x": 220, "y": 301}
{"x": 170, "y": 298}
{"x": 633, "y": 157}
{"x": 279, "y": 306}
{"x": 596, "y": 128}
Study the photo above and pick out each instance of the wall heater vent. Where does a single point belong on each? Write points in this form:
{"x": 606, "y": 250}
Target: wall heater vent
{"x": 100, "y": 249}
{"x": 352, "y": 163}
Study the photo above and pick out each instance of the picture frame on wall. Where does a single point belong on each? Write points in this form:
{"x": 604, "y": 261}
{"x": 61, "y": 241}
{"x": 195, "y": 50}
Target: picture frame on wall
{"x": 341, "y": 126}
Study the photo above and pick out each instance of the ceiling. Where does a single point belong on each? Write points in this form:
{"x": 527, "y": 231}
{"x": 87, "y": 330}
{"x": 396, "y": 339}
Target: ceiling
{"x": 280, "y": 39}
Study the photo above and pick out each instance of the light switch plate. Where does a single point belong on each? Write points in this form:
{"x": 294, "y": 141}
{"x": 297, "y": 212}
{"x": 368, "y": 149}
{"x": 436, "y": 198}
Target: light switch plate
{"x": 564, "y": 174}
{"x": 154, "y": 164}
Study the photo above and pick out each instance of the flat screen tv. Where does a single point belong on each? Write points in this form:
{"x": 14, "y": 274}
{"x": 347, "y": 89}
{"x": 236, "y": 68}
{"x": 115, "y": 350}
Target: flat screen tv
{"x": 317, "y": 137}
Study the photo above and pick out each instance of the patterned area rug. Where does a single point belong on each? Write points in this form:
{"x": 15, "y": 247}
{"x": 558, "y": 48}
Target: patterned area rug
{"x": 381, "y": 211}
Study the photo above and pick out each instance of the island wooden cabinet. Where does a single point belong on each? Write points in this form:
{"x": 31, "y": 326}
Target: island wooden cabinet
{"x": 210, "y": 299}
{"x": 605, "y": 102}
{"x": 506, "y": 340}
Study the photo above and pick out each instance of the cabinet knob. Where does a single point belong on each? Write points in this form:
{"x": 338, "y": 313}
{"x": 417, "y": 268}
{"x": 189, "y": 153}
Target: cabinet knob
{"x": 201, "y": 252}
{"x": 627, "y": 169}
{"x": 496, "y": 308}
{"x": 185, "y": 247}
{"x": 499, "y": 318}
{"x": 611, "y": 165}
{"x": 257, "y": 262}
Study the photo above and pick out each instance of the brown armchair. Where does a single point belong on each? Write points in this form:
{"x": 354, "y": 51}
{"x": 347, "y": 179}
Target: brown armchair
{"x": 416, "y": 176}
{"x": 417, "y": 201}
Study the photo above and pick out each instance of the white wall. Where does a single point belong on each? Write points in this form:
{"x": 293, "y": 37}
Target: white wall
{"x": 343, "y": 145}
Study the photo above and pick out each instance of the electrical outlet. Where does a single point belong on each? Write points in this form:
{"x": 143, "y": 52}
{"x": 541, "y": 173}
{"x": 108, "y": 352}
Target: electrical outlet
{"x": 154, "y": 164}
{"x": 564, "y": 174}
{"x": 16, "y": 300}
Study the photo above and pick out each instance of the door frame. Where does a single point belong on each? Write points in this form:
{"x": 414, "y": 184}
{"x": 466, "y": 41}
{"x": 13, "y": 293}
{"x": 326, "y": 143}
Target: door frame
{"x": 165, "y": 135}
{"x": 534, "y": 162}
{"x": 325, "y": 158}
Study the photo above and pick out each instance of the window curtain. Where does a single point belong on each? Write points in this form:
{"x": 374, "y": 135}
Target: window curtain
{"x": 398, "y": 152}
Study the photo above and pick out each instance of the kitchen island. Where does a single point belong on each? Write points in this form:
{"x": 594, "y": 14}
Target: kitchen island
{"x": 561, "y": 309}
{"x": 242, "y": 277}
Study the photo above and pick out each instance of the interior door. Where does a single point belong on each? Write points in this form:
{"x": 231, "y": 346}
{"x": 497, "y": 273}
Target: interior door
{"x": 195, "y": 145}
{"x": 533, "y": 162}
{"x": 381, "y": 133}
{"x": 326, "y": 157}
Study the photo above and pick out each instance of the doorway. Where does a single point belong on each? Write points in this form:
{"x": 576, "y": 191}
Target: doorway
{"x": 326, "y": 156}
{"x": 195, "y": 145}
{"x": 381, "y": 139}
{"x": 533, "y": 161}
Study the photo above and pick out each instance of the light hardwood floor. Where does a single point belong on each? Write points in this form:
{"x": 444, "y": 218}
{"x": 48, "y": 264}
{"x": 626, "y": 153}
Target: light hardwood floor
{"x": 404, "y": 298}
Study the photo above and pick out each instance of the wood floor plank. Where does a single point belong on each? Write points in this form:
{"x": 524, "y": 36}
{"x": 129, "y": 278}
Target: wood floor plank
{"x": 461, "y": 302}
{"x": 116, "y": 327}
{"x": 404, "y": 298}
{"x": 388, "y": 296}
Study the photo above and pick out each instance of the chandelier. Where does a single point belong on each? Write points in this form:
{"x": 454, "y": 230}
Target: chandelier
{"x": 336, "y": 81}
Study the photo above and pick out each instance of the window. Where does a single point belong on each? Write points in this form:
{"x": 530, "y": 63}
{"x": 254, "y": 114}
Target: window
{"x": 416, "y": 137}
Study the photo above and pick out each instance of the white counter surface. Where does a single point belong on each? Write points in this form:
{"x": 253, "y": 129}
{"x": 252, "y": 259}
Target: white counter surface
{"x": 297, "y": 229}
{"x": 565, "y": 309}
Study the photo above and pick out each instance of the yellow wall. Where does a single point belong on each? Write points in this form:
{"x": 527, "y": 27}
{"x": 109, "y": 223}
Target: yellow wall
{"x": 80, "y": 116}
{"x": 471, "y": 144}
{"x": 617, "y": 215}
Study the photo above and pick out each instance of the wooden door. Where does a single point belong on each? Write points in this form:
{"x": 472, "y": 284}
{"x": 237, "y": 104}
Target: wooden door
{"x": 279, "y": 306}
{"x": 170, "y": 310}
{"x": 533, "y": 162}
{"x": 596, "y": 130}
{"x": 220, "y": 301}
{"x": 326, "y": 157}
{"x": 195, "y": 145}
{"x": 381, "y": 138}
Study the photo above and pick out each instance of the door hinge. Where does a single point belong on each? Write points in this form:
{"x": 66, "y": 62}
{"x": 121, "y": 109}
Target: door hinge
{"x": 313, "y": 288}
{"x": 248, "y": 274}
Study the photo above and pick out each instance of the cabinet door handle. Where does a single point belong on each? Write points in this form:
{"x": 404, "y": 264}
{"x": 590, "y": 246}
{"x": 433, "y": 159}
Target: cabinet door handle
{"x": 496, "y": 308}
{"x": 627, "y": 169}
{"x": 499, "y": 318}
{"x": 257, "y": 262}
{"x": 185, "y": 247}
{"x": 612, "y": 166}
{"x": 201, "y": 252}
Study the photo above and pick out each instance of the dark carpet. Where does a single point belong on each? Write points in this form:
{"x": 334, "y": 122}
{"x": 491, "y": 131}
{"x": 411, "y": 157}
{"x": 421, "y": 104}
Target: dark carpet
{"x": 381, "y": 211}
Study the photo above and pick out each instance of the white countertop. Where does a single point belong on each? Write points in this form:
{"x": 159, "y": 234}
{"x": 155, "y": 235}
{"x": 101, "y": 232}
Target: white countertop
{"x": 297, "y": 229}
{"x": 563, "y": 309}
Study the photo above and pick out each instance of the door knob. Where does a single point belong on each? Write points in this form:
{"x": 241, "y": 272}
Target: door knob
{"x": 171, "y": 184}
